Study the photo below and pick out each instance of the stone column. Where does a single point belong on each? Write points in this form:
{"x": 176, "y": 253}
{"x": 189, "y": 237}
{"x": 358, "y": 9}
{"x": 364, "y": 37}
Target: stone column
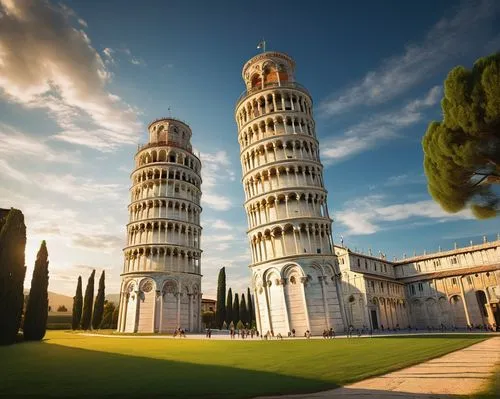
{"x": 467, "y": 317}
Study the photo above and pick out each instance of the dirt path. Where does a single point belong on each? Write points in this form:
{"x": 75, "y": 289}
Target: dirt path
{"x": 463, "y": 372}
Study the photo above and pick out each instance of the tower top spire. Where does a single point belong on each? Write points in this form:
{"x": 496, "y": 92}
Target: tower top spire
{"x": 268, "y": 67}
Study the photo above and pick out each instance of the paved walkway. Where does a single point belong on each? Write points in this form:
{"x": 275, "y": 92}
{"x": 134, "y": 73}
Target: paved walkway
{"x": 225, "y": 336}
{"x": 463, "y": 372}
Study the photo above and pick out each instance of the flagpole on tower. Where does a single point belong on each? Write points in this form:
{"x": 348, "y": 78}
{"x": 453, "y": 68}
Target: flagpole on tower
{"x": 262, "y": 45}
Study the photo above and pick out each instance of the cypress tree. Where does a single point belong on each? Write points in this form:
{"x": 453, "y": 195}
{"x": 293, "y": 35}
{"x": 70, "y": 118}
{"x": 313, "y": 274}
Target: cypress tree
{"x": 249, "y": 306}
{"x": 87, "y": 302}
{"x": 37, "y": 309}
{"x": 220, "y": 313}
{"x": 229, "y": 306}
{"x": 77, "y": 305}
{"x": 12, "y": 273}
{"x": 99, "y": 304}
{"x": 236, "y": 309}
{"x": 243, "y": 310}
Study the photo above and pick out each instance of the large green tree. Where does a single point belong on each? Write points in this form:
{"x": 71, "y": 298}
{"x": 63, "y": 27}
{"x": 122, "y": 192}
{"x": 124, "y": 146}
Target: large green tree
{"x": 77, "y": 306}
{"x": 98, "y": 304}
{"x": 12, "y": 273}
{"x": 87, "y": 303}
{"x": 243, "y": 310}
{"x": 37, "y": 309}
{"x": 462, "y": 152}
{"x": 220, "y": 312}
{"x": 229, "y": 306}
{"x": 236, "y": 309}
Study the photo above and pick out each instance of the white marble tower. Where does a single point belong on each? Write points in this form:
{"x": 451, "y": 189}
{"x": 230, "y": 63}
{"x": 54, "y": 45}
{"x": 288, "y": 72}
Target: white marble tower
{"x": 294, "y": 269}
{"x": 161, "y": 277}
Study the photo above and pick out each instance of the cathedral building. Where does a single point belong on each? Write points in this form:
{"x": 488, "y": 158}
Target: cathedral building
{"x": 161, "y": 279}
{"x": 294, "y": 273}
{"x": 449, "y": 289}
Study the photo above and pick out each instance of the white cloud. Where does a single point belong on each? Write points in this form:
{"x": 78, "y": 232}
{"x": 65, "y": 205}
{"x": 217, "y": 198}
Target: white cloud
{"x": 16, "y": 145}
{"x": 11, "y": 173}
{"x": 448, "y": 39}
{"x": 216, "y": 170}
{"x": 369, "y": 215}
{"x": 47, "y": 63}
{"x": 81, "y": 188}
{"x": 378, "y": 128}
{"x": 218, "y": 224}
{"x": 108, "y": 54}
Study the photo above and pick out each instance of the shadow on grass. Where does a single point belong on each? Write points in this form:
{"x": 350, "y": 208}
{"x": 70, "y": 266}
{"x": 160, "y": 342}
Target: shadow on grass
{"x": 53, "y": 370}
{"x": 59, "y": 371}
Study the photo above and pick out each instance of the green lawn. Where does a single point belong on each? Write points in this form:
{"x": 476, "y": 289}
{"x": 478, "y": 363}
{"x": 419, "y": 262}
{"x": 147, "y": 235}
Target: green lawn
{"x": 67, "y": 364}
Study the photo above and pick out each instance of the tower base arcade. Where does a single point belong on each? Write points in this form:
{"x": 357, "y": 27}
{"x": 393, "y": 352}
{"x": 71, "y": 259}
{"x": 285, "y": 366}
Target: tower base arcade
{"x": 159, "y": 303}
{"x": 300, "y": 294}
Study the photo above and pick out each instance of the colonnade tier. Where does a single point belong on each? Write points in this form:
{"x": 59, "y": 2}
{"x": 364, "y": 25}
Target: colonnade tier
{"x": 279, "y": 149}
{"x": 171, "y": 189}
{"x": 294, "y": 238}
{"x": 285, "y": 206}
{"x": 282, "y": 176}
{"x": 288, "y": 97}
{"x": 174, "y": 209}
{"x": 276, "y": 126}
{"x": 155, "y": 153}
{"x": 161, "y": 258}
{"x": 168, "y": 231}
{"x": 285, "y": 164}
{"x": 165, "y": 171}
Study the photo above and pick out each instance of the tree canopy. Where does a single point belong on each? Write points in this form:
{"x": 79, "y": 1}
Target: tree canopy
{"x": 35, "y": 319}
{"x": 77, "y": 306}
{"x": 220, "y": 313}
{"x": 12, "y": 272}
{"x": 462, "y": 152}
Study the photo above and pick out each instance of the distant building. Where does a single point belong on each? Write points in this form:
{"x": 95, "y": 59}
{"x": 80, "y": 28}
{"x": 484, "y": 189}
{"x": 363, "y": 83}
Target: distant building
{"x": 161, "y": 279}
{"x": 208, "y": 305}
{"x": 448, "y": 289}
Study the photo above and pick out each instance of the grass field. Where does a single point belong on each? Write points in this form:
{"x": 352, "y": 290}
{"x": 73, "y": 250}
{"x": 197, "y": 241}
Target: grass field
{"x": 67, "y": 364}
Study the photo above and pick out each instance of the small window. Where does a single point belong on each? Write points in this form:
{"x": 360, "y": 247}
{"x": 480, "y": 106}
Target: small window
{"x": 359, "y": 263}
{"x": 372, "y": 283}
{"x": 382, "y": 286}
{"x": 454, "y": 281}
{"x": 375, "y": 266}
{"x": 366, "y": 264}
{"x": 412, "y": 289}
{"x": 469, "y": 280}
{"x": 418, "y": 268}
{"x": 454, "y": 261}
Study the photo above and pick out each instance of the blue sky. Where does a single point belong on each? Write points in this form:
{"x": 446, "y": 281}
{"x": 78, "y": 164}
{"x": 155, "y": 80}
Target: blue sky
{"x": 81, "y": 80}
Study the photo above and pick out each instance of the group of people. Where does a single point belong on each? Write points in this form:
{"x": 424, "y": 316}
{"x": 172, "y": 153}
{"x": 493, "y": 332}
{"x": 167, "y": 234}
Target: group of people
{"x": 179, "y": 332}
{"x": 329, "y": 333}
{"x": 244, "y": 333}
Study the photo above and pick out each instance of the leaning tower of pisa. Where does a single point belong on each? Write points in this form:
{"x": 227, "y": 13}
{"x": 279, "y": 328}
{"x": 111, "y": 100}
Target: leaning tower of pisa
{"x": 295, "y": 275}
{"x": 161, "y": 277}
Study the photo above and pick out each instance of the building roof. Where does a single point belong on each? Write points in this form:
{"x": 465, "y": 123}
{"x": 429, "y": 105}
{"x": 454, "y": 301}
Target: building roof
{"x": 451, "y": 273}
{"x": 434, "y": 255}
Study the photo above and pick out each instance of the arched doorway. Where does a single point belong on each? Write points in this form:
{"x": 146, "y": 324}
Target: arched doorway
{"x": 458, "y": 311}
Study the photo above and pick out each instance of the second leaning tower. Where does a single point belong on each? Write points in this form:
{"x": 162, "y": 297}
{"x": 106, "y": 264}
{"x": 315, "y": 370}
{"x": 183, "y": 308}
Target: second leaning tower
{"x": 295, "y": 275}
